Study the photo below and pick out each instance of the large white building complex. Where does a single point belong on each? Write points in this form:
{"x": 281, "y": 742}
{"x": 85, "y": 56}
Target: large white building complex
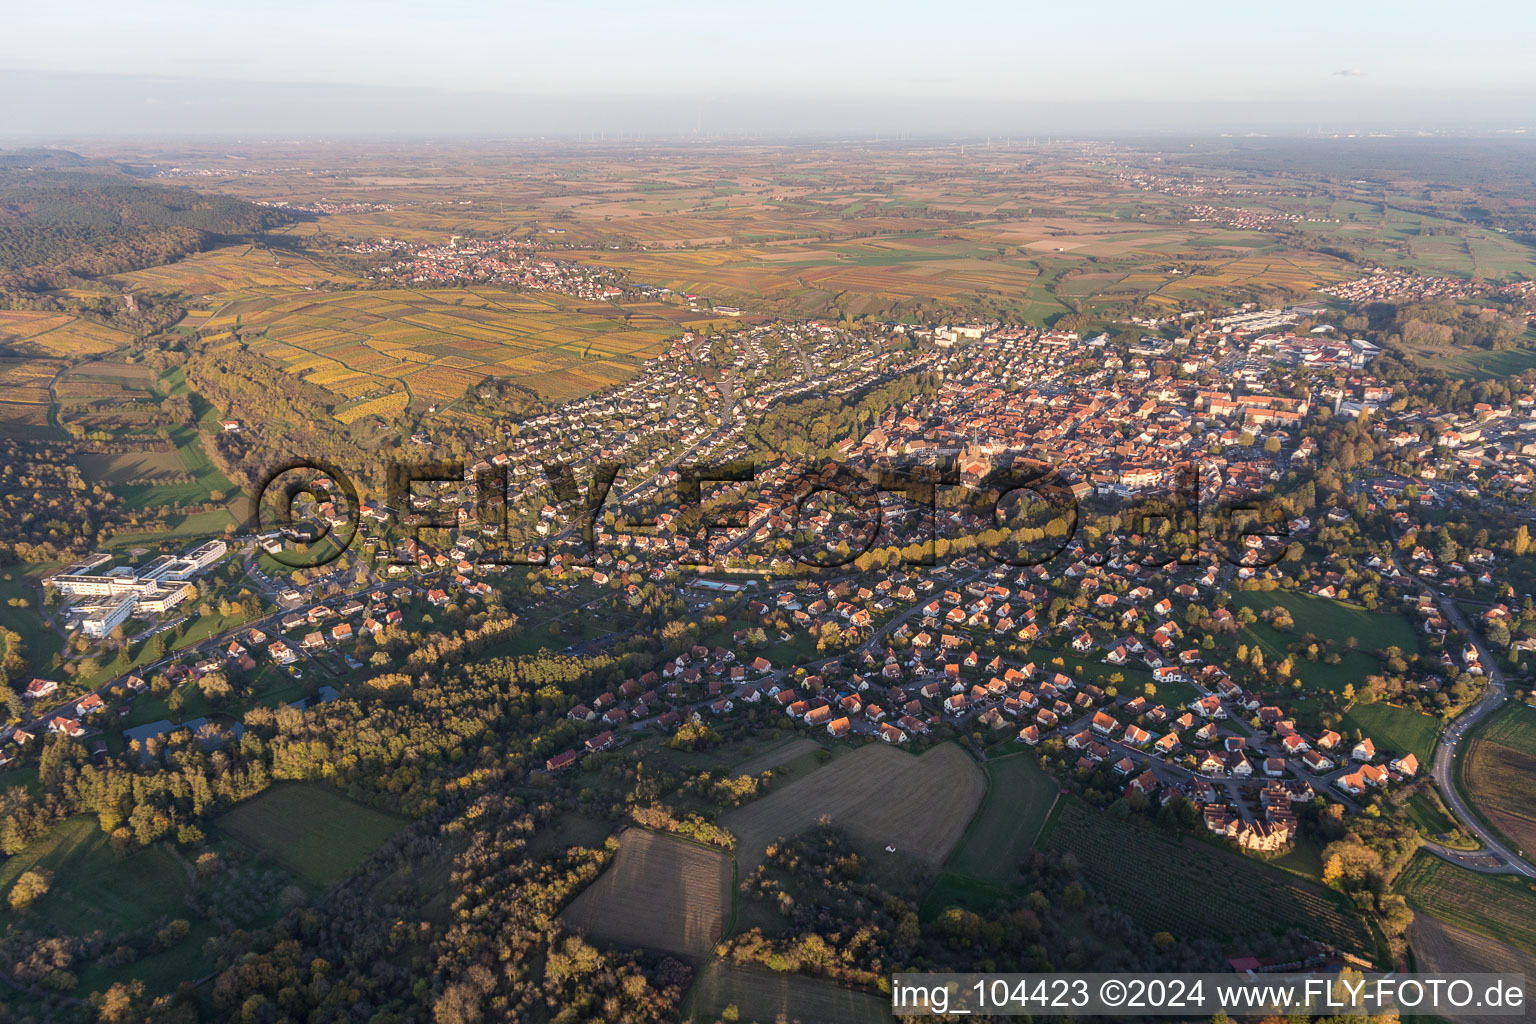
{"x": 104, "y": 598}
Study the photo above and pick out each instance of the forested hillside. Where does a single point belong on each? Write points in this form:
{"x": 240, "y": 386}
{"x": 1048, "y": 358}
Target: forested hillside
{"x": 96, "y": 220}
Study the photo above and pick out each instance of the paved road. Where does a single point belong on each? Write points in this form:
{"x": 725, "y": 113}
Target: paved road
{"x": 1445, "y": 759}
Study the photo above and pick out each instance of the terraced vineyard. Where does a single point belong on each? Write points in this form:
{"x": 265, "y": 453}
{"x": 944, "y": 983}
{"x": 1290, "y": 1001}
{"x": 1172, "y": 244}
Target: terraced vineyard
{"x": 1190, "y": 889}
{"x": 24, "y": 395}
{"x": 42, "y": 333}
{"x": 232, "y": 270}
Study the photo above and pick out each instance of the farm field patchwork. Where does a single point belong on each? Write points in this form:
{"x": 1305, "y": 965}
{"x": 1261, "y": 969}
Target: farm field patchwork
{"x": 311, "y": 830}
{"x": 878, "y": 795}
{"x": 376, "y": 351}
{"x": 111, "y": 400}
{"x": 661, "y": 892}
{"x": 1192, "y": 889}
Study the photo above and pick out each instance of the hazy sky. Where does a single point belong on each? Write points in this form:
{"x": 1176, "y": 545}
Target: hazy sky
{"x": 805, "y": 66}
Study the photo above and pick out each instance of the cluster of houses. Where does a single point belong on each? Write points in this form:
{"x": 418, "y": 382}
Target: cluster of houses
{"x": 306, "y": 632}
{"x": 505, "y": 261}
{"x": 938, "y": 678}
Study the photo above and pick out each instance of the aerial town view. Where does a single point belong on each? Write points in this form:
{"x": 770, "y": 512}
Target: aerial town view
{"x": 698, "y": 515}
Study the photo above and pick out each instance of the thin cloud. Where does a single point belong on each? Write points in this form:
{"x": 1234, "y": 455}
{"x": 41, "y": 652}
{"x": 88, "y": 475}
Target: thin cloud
{"x": 1349, "y": 73}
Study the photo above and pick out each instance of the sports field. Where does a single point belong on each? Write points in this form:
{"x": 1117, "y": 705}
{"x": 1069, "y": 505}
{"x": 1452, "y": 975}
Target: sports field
{"x": 661, "y": 892}
{"x": 311, "y": 830}
{"x": 879, "y": 795}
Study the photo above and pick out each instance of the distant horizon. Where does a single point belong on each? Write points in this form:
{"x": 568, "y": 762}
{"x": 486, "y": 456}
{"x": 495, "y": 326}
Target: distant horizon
{"x": 57, "y": 105}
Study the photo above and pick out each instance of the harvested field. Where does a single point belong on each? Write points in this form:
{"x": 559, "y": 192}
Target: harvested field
{"x": 1499, "y": 772}
{"x": 771, "y": 759}
{"x": 921, "y": 805}
{"x": 661, "y": 892}
{"x": 1514, "y": 727}
{"x": 1499, "y": 907}
{"x": 1444, "y": 948}
{"x": 764, "y": 997}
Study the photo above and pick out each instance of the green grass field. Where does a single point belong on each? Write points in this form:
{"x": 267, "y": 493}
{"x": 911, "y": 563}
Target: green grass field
{"x": 1394, "y": 729}
{"x": 39, "y": 642}
{"x": 1501, "y": 907}
{"x": 314, "y": 832}
{"x": 92, "y": 887}
{"x": 1428, "y": 814}
{"x": 1328, "y": 620}
{"x": 1019, "y": 797}
{"x": 1514, "y": 727}
{"x": 193, "y": 524}
{"x": 1483, "y": 364}
{"x": 160, "y": 972}
{"x": 1192, "y": 889}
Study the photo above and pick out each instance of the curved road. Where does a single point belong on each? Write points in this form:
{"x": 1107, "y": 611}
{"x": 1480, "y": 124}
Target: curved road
{"x": 1445, "y": 758}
